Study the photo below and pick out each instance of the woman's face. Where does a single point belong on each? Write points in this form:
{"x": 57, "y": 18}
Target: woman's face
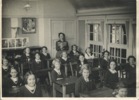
{"x": 57, "y": 65}
{"x": 27, "y": 50}
{"x": 5, "y": 62}
{"x": 61, "y": 36}
{"x": 81, "y": 58}
{"x": 106, "y": 55}
{"x": 37, "y": 56}
{"x": 31, "y": 80}
{"x": 13, "y": 73}
{"x": 64, "y": 54}
{"x": 44, "y": 50}
{"x": 112, "y": 65}
{"x": 74, "y": 48}
{"x": 122, "y": 92}
{"x": 131, "y": 61}
{"x": 85, "y": 73}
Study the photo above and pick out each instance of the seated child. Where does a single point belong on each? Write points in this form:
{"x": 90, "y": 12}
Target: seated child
{"x": 65, "y": 60}
{"x": 45, "y": 55}
{"x": 121, "y": 90}
{"x": 56, "y": 73}
{"x": 5, "y": 75}
{"x": 37, "y": 65}
{"x": 81, "y": 62}
{"x": 89, "y": 54}
{"x": 5, "y": 68}
{"x": 111, "y": 78}
{"x": 30, "y": 89}
{"x": 84, "y": 84}
{"x": 14, "y": 82}
{"x": 74, "y": 53}
{"x": 26, "y": 60}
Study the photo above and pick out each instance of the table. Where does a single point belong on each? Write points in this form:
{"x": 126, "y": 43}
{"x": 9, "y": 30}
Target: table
{"x": 66, "y": 86}
{"x": 101, "y": 92}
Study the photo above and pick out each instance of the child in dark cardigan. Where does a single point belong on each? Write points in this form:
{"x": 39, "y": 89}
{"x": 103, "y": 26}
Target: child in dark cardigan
{"x": 56, "y": 73}
{"x": 37, "y": 65}
{"x": 45, "y": 56}
{"x": 65, "y": 60}
{"x": 30, "y": 89}
{"x": 111, "y": 78}
{"x": 5, "y": 75}
{"x": 81, "y": 62}
{"x": 84, "y": 84}
{"x": 14, "y": 82}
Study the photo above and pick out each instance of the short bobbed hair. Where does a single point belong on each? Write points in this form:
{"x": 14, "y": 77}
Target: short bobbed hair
{"x": 27, "y": 75}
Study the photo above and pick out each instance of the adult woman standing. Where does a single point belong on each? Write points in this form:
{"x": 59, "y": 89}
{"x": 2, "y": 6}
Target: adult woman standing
{"x": 61, "y": 44}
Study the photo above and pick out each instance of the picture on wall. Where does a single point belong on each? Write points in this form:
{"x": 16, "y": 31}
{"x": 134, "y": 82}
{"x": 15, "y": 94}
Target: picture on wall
{"x": 28, "y": 25}
{"x": 10, "y": 43}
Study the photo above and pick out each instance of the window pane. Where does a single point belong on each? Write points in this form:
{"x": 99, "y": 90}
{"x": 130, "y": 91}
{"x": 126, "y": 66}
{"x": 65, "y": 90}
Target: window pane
{"x": 91, "y": 27}
{"x": 112, "y": 51}
{"x": 123, "y": 60}
{"x": 123, "y": 53}
{"x": 91, "y": 36}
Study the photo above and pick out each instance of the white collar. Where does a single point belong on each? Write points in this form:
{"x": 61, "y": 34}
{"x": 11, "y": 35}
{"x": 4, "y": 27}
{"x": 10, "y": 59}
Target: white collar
{"x": 5, "y": 67}
{"x": 15, "y": 80}
{"x": 86, "y": 79}
{"x": 58, "y": 71}
{"x": 31, "y": 89}
{"x": 113, "y": 71}
{"x": 37, "y": 60}
{"x": 27, "y": 54}
{"x": 64, "y": 58}
{"x": 45, "y": 53}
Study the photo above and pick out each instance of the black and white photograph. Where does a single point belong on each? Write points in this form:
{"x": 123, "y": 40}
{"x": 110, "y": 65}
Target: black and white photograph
{"x": 69, "y": 48}
{"x": 28, "y": 25}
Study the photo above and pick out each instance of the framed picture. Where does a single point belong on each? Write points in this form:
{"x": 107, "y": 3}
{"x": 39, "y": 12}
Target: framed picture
{"x": 14, "y": 43}
{"x": 28, "y": 25}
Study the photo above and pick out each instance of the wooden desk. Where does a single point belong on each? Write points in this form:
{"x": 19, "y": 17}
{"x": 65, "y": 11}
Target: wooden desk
{"x": 66, "y": 86}
{"x": 102, "y": 92}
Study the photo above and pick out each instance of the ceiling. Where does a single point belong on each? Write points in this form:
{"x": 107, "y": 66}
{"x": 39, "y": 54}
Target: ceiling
{"x": 89, "y": 4}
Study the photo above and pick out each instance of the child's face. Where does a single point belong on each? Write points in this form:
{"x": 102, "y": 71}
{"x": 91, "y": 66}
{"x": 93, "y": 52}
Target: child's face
{"x": 131, "y": 61}
{"x": 106, "y": 55}
{"x": 85, "y": 73}
{"x": 37, "y": 56}
{"x": 57, "y": 65}
{"x": 74, "y": 48}
{"x": 13, "y": 73}
{"x": 44, "y": 50}
{"x": 64, "y": 54}
{"x": 27, "y": 50}
{"x": 81, "y": 58}
{"x": 31, "y": 80}
{"x": 5, "y": 62}
{"x": 122, "y": 92}
{"x": 88, "y": 50}
{"x": 112, "y": 65}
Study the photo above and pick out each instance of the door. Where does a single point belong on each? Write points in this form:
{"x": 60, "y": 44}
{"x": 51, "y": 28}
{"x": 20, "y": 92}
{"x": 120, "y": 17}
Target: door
{"x": 66, "y": 26}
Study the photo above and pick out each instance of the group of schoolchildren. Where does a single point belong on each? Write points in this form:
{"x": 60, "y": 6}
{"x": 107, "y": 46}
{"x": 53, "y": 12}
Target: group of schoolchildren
{"x": 28, "y": 86}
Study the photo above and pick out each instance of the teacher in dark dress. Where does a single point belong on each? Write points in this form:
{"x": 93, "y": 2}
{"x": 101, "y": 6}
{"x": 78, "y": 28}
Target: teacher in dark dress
{"x": 61, "y": 45}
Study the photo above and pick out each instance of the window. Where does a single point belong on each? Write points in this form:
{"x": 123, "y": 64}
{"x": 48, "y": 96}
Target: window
{"x": 95, "y": 40}
{"x": 95, "y": 32}
{"x": 117, "y": 33}
{"x": 118, "y": 41}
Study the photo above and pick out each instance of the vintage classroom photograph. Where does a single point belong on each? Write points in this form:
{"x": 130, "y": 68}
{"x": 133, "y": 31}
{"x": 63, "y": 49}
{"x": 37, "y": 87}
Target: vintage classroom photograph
{"x": 69, "y": 49}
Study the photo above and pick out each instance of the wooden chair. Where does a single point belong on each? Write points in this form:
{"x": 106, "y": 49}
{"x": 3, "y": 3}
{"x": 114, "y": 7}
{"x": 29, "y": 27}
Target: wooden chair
{"x": 72, "y": 66}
